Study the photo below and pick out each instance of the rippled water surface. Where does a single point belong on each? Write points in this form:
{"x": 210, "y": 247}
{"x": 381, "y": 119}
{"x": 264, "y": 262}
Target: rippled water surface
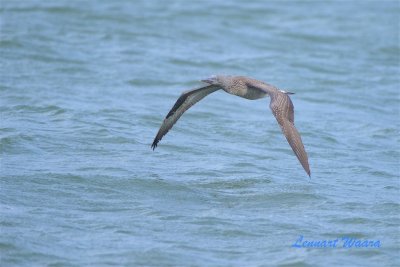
{"x": 84, "y": 86}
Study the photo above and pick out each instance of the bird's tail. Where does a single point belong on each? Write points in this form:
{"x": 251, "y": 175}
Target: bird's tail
{"x": 286, "y": 92}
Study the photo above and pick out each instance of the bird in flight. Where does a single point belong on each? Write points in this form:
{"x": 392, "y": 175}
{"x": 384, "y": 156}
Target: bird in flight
{"x": 249, "y": 88}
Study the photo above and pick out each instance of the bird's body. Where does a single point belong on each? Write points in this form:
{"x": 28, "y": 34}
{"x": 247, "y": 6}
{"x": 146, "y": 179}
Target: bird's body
{"x": 280, "y": 104}
{"x": 239, "y": 86}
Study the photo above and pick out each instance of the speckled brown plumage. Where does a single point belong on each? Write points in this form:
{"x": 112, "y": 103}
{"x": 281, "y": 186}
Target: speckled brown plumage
{"x": 280, "y": 104}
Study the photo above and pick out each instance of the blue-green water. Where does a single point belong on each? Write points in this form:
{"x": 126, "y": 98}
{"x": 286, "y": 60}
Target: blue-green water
{"x": 85, "y": 85}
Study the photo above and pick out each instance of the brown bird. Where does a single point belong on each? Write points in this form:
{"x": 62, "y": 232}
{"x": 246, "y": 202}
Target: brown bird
{"x": 281, "y": 106}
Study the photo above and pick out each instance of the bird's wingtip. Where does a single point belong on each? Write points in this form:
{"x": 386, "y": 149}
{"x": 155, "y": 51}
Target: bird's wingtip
{"x": 154, "y": 145}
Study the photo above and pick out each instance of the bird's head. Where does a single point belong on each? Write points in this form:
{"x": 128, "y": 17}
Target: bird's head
{"x": 218, "y": 80}
{"x": 211, "y": 80}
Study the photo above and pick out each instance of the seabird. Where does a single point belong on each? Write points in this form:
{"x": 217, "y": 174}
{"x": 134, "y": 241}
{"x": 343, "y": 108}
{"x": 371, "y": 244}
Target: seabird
{"x": 280, "y": 104}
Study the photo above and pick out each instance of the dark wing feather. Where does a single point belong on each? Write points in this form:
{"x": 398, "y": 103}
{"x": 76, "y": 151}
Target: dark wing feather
{"x": 184, "y": 102}
{"x": 282, "y": 108}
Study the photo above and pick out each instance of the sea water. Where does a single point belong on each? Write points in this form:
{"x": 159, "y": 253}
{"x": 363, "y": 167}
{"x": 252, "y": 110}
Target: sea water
{"x": 85, "y": 85}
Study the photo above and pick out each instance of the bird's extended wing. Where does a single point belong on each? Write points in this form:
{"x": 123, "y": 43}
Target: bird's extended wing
{"x": 184, "y": 102}
{"x": 282, "y": 108}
